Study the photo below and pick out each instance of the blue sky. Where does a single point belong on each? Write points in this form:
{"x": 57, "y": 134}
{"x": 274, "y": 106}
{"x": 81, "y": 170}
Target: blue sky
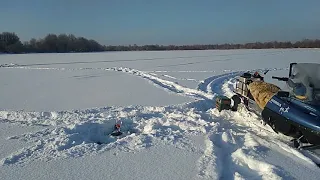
{"x": 114, "y": 22}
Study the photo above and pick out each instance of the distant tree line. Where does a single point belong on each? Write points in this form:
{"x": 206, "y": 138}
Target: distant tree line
{"x": 10, "y": 43}
{"x": 52, "y": 43}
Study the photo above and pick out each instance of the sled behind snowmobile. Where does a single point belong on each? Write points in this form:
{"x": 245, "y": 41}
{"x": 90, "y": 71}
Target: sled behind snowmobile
{"x": 243, "y": 94}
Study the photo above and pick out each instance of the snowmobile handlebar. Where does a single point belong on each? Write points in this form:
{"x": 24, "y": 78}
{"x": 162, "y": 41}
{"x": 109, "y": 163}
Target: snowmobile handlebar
{"x": 280, "y": 78}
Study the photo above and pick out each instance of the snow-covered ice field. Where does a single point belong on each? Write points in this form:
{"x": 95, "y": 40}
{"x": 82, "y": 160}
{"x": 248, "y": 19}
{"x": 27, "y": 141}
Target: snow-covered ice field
{"x": 57, "y": 109}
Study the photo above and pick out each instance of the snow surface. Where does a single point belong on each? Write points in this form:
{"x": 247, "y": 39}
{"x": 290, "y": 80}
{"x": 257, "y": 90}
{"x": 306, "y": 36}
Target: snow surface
{"x": 56, "y": 112}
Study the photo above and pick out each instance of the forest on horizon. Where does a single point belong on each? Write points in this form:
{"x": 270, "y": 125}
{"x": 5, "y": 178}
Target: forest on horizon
{"x": 63, "y": 43}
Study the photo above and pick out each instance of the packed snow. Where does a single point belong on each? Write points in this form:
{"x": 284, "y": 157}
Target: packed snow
{"x": 57, "y": 111}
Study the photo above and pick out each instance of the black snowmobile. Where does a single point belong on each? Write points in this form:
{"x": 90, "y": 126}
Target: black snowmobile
{"x": 296, "y": 112}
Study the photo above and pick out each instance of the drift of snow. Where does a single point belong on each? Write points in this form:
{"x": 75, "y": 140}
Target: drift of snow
{"x": 192, "y": 140}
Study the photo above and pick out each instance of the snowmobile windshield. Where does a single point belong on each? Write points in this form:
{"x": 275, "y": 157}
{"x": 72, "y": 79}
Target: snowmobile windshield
{"x": 305, "y": 81}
